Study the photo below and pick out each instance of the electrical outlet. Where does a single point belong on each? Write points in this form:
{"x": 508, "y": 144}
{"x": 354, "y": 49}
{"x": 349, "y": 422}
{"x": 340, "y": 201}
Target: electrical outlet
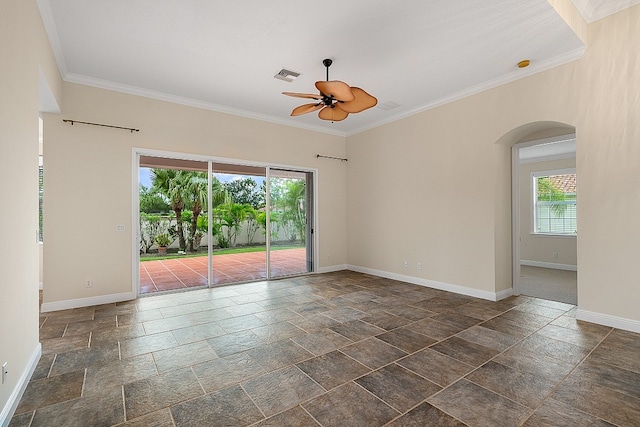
{"x": 555, "y": 254}
{"x": 406, "y": 264}
{"x": 419, "y": 266}
{"x": 89, "y": 283}
{"x": 4, "y": 372}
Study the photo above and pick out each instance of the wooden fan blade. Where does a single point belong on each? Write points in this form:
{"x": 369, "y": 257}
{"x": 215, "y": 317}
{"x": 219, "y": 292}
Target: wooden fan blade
{"x": 332, "y": 113}
{"x": 306, "y": 108}
{"x": 339, "y": 90}
{"x": 361, "y": 102}
{"x": 303, "y": 95}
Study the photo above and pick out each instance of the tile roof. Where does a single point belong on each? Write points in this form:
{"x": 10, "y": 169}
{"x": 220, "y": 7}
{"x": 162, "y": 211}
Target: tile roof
{"x": 565, "y": 183}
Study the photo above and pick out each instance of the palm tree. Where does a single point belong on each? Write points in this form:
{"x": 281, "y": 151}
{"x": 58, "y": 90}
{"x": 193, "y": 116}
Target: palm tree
{"x": 173, "y": 184}
{"x": 547, "y": 192}
{"x": 252, "y": 222}
{"x": 196, "y": 183}
{"x": 230, "y": 215}
{"x": 293, "y": 209}
{"x": 219, "y": 194}
{"x": 198, "y": 198}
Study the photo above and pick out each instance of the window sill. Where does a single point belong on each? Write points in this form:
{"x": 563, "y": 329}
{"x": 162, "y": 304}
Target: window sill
{"x": 554, "y": 235}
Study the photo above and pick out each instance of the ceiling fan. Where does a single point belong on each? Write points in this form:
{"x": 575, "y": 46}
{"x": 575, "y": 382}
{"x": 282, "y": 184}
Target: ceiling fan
{"x": 336, "y": 99}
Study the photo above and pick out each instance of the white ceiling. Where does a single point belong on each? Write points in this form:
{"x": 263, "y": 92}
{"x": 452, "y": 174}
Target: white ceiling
{"x": 222, "y": 55}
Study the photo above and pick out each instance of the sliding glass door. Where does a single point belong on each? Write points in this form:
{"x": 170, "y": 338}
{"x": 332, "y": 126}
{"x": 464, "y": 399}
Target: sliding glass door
{"x": 290, "y": 207}
{"x": 208, "y": 223}
{"x": 173, "y": 201}
{"x": 238, "y": 223}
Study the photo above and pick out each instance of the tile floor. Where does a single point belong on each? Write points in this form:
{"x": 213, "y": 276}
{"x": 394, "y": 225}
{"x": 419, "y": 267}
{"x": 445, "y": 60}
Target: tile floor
{"x": 337, "y": 349}
{"x": 183, "y": 273}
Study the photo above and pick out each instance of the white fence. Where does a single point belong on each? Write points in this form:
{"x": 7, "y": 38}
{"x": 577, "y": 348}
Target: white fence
{"x": 242, "y": 238}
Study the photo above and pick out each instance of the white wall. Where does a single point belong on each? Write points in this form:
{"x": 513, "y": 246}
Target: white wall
{"x": 536, "y": 247}
{"x": 435, "y": 187}
{"x": 88, "y": 185}
{"x": 24, "y": 50}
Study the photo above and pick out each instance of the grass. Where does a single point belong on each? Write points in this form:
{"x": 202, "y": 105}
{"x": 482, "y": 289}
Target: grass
{"x": 226, "y": 251}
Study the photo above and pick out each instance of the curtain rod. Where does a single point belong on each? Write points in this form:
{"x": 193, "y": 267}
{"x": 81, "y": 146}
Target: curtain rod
{"x": 330, "y": 157}
{"x": 100, "y": 124}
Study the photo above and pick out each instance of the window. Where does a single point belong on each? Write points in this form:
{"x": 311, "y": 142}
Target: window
{"x": 554, "y": 202}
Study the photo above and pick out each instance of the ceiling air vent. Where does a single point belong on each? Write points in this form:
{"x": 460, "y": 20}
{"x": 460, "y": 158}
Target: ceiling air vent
{"x": 286, "y": 75}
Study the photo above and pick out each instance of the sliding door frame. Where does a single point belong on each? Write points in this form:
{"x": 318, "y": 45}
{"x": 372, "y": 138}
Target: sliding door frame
{"x": 309, "y": 191}
{"x": 135, "y": 204}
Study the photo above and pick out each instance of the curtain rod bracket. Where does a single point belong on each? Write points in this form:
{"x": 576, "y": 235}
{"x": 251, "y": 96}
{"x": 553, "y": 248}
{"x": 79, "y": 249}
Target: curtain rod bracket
{"x": 330, "y": 157}
{"x": 100, "y": 124}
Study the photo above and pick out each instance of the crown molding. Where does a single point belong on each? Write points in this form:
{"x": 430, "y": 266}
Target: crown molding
{"x": 507, "y": 78}
{"x": 502, "y": 80}
{"x": 190, "y": 102}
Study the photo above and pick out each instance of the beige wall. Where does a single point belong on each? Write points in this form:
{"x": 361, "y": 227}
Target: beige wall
{"x": 433, "y": 190}
{"x": 89, "y": 180}
{"x": 536, "y": 247}
{"x": 572, "y": 17}
{"x": 24, "y": 50}
{"x": 608, "y": 166}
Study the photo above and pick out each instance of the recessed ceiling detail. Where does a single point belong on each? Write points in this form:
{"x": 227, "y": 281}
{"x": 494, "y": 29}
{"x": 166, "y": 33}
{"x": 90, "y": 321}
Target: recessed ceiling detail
{"x": 223, "y": 55}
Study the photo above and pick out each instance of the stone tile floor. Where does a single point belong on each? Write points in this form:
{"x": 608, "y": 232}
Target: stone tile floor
{"x": 337, "y": 349}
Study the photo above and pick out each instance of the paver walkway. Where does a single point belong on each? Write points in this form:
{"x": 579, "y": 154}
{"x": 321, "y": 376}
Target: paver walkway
{"x": 182, "y": 273}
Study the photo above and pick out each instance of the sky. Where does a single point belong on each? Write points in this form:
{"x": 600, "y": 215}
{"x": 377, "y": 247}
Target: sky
{"x": 145, "y": 177}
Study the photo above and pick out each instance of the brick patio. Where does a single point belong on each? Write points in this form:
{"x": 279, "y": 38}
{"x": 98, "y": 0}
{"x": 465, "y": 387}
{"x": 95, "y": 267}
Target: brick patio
{"x": 183, "y": 273}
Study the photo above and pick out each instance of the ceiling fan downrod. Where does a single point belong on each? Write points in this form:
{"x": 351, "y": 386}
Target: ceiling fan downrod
{"x": 327, "y": 99}
{"x": 327, "y": 63}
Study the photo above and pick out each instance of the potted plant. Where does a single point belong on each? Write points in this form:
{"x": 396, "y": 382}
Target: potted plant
{"x": 162, "y": 240}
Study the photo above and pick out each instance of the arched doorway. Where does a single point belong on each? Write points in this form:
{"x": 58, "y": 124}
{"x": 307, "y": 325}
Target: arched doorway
{"x": 543, "y": 205}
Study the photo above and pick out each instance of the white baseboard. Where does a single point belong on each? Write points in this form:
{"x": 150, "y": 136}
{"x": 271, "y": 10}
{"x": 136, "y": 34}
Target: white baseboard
{"x": 14, "y": 399}
{"x": 552, "y": 265}
{"x": 477, "y": 293}
{"x": 608, "y": 320}
{"x": 506, "y": 293}
{"x": 332, "y": 268}
{"x": 86, "y": 302}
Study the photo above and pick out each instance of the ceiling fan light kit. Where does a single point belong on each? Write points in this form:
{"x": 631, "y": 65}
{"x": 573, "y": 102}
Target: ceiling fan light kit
{"x": 336, "y": 99}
